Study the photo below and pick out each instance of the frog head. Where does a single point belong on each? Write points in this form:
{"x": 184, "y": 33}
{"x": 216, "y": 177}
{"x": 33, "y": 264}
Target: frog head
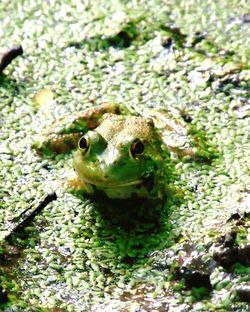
{"x": 119, "y": 156}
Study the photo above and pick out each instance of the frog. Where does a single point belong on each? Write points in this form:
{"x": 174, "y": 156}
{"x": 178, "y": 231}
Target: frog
{"x": 115, "y": 153}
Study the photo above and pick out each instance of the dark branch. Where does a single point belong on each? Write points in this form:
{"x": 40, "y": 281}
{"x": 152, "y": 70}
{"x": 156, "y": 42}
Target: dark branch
{"x": 29, "y": 214}
{"x": 9, "y": 56}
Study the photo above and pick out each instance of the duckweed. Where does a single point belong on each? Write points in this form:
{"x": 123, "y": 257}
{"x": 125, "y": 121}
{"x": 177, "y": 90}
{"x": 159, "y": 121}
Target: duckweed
{"x": 90, "y": 53}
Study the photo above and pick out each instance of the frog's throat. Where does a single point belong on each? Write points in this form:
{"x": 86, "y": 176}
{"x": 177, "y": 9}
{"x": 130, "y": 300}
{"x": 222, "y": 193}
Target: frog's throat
{"x": 106, "y": 184}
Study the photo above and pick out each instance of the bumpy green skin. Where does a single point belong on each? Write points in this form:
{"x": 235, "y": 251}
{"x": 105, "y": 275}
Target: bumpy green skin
{"x": 108, "y": 163}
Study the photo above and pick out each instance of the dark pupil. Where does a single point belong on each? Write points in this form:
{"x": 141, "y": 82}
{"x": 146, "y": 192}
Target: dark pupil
{"x": 83, "y": 143}
{"x": 138, "y": 148}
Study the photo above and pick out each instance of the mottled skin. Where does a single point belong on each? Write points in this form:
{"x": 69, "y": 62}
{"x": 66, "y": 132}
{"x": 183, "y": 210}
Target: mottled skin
{"x": 119, "y": 155}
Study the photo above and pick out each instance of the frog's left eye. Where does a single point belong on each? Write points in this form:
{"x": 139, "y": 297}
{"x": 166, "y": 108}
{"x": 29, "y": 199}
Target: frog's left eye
{"x": 137, "y": 148}
{"x": 83, "y": 144}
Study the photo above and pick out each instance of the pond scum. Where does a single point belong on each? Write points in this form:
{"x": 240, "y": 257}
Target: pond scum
{"x": 191, "y": 255}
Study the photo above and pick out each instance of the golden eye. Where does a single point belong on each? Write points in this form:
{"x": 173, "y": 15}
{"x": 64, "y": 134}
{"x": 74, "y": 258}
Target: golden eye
{"x": 137, "y": 148}
{"x": 83, "y": 144}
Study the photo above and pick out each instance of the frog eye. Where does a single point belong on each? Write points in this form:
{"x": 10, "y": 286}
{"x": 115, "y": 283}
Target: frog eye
{"x": 83, "y": 144}
{"x": 137, "y": 148}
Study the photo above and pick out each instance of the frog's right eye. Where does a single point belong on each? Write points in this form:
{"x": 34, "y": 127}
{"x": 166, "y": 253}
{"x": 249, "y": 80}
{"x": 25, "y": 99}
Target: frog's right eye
{"x": 83, "y": 144}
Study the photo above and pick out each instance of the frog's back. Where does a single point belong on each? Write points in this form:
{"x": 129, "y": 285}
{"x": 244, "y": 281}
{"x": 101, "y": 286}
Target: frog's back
{"x": 124, "y": 127}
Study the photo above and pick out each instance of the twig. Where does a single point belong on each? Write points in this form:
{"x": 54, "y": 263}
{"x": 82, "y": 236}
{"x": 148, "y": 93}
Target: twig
{"x": 29, "y": 214}
{"x": 9, "y": 56}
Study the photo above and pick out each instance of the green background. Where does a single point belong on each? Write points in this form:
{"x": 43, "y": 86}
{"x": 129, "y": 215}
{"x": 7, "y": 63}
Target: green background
{"x": 75, "y": 257}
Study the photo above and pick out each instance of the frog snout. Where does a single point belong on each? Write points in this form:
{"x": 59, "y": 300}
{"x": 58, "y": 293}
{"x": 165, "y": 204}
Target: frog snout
{"x": 104, "y": 169}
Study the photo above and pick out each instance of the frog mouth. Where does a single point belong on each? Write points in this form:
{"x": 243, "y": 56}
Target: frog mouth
{"x": 106, "y": 184}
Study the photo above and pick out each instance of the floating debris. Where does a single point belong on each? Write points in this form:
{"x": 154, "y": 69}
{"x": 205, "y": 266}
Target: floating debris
{"x": 43, "y": 97}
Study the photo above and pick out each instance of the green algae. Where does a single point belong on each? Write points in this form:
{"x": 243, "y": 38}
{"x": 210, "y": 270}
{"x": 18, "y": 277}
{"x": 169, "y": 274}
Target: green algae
{"x": 142, "y": 53}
